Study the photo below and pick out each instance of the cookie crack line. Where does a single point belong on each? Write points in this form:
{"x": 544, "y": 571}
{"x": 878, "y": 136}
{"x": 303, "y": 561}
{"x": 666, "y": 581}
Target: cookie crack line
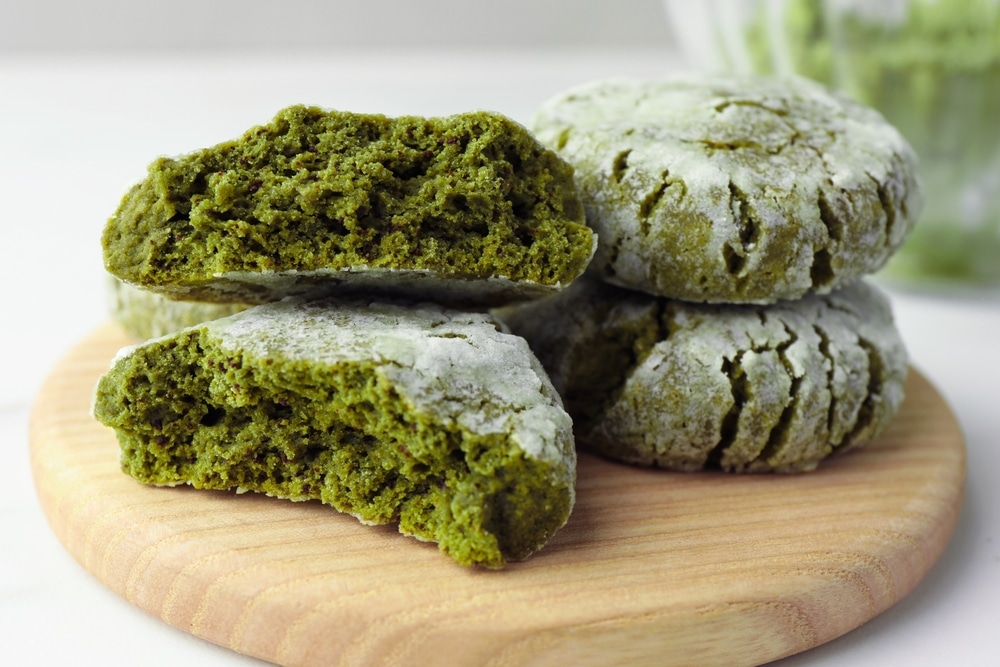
{"x": 796, "y": 141}
{"x": 888, "y": 207}
{"x": 830, "y": 362}
{"x": 834, "y": 225}
{"x": 651, "y": 201}
{"x": 620, "y": 166}
{"x": 795, "y": 135}
{"x": 781, "y": 431}
{"x": 867, "y": 412}
{"x": 757, "y": 104}
{"x": 716, "y": 145}
{"x": 563, "y": 138}
{"x": 822, "y": 272}
{"x": 747, "y": 231}
{"x": 729, "y": 427}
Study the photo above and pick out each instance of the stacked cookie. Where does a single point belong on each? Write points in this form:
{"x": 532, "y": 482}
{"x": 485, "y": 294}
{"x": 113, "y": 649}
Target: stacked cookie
{"x": 356, "y": 382}
{"x": 724, "y": 322}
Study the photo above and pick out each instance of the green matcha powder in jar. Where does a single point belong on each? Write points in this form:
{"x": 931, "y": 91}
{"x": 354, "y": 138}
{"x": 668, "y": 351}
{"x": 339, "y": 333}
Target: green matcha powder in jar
{"x": 932, "y": 67}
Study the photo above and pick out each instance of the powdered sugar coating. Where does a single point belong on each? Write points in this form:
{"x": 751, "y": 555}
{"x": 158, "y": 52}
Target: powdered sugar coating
{"x": 734, "y": 189}
{"x": 745, "y": 388}
{"x": 460, "y": 368}
{"x": 145, "y": 314}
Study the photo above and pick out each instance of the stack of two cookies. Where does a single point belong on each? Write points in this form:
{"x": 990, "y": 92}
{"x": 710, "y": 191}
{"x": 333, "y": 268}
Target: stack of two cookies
{"x": 371, "y": 377}
{"x": 724, "y": 322}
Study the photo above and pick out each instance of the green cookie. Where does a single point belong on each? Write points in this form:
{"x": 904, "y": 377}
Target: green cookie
{"x": 431, "y": 418}
{"x": 745, "y": 388}
{"x": 734, "y": 189}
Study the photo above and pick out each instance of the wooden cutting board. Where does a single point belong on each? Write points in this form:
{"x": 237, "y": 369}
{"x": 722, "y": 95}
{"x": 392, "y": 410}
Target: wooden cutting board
{"x": 653, "y": 568}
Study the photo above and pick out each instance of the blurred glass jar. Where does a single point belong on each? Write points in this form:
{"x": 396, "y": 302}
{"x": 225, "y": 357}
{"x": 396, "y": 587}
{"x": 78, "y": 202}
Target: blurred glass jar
{"x": 932, "y": 67}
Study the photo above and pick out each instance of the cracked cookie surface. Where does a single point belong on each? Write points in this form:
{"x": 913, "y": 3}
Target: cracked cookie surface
{"x": 469, "y": 210}
{"x": 744, "y": 388}
{"x": 434, "y": 419}
{"x": 733, "y": 189}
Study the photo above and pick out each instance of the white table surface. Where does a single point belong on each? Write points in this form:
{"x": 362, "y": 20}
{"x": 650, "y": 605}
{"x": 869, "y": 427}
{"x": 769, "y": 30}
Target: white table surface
{"x": 75, "y": 131}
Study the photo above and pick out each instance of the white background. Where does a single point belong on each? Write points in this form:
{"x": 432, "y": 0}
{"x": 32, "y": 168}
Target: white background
{"x": 324, "y": 24}
{"x": 90, "y": 92}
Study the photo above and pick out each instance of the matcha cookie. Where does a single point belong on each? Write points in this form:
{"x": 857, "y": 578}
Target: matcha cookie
{"x": 745, "y": 388}
{"x": 734, "y": 190}
{"x": 468, "y": 209}
{"x": 432, "y": 418}
{"x": 143, "y": 314}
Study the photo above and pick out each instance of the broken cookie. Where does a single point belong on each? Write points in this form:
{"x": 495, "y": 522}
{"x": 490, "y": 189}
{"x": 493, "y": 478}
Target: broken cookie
{"x": 432, "y": 418}
{"x": 468, "y": 209}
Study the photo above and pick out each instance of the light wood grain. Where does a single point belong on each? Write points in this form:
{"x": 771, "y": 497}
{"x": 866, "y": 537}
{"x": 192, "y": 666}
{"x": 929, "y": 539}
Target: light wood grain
{"x": 654, "y": 568}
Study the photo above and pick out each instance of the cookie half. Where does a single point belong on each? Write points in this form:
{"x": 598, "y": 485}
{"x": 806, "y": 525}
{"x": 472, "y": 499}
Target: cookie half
{"x": 431, "y": 418}
{"x": 468, "y": 209}
{"x": 734, "y": 189}
{"x": 745, "y": 388}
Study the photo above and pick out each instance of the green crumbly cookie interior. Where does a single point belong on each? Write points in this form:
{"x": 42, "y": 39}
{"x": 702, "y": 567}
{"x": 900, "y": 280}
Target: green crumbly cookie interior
{"x": 470, "y": 196}
{"x": 186, "y": 411}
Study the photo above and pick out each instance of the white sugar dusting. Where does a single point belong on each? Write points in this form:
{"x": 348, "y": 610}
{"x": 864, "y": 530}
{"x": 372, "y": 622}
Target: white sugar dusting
{"x": 455, "y": 366}
{"x": 800, "y": 371}
{"x": 777, "y": 146}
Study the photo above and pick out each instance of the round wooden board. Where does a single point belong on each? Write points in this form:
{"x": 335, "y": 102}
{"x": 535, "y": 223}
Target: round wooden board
{"x": 653, "y": 568}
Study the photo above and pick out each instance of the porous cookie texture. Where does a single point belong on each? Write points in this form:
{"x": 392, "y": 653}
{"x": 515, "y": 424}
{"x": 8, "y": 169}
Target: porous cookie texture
{"x": 468, "y": 209}
{"x": 745, "y": 388}
{"x": 432, "y": 418}
{"x": 143, "y": 314}
{"x": 734, "y": 189}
